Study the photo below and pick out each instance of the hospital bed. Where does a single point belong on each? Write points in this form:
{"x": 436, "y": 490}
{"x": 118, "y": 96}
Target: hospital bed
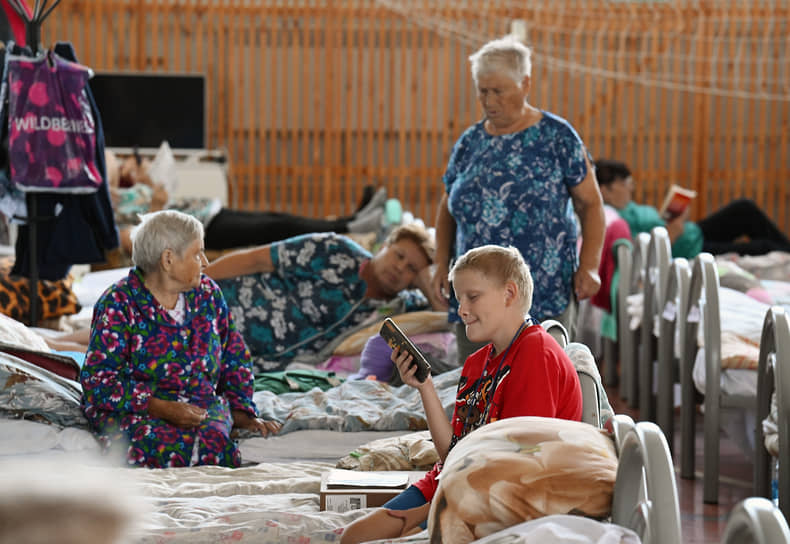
{"x": 705, "y": 315}
{"x": 270, "y": 500}
{"x": 773, "y": 388}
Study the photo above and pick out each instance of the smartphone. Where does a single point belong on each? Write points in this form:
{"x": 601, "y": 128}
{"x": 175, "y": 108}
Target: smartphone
{"x": 396, "y": 339}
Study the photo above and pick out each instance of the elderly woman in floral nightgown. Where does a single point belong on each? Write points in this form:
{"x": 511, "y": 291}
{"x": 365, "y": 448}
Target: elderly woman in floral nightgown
{"x": 167, "y": 376}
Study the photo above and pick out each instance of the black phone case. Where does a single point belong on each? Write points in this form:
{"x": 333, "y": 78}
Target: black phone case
{"x": 395, "y": 338}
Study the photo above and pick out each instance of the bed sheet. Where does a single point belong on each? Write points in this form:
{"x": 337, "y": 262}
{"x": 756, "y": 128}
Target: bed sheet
{"x": 741, "y": 316}
{"x": 266, "y": 503}
{"x": 357, "y": 405}
{"x": 271, "y": 501}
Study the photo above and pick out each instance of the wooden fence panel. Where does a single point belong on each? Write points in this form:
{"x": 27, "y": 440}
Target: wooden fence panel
{"x": 315, "y": 99}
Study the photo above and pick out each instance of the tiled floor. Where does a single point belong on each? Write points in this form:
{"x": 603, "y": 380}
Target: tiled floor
{"x": 704, "y": 523}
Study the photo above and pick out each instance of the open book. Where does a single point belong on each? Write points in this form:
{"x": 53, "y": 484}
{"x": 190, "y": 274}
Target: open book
{"x": 677, "y": 200}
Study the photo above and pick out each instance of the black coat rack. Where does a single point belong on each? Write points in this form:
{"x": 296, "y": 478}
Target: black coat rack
{"x": 33, "y": 38}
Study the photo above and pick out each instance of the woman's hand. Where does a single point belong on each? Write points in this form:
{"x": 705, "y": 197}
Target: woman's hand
{"x": 440, "y": 288}
{"x": 675, "y": 226}
{"x": 404, "y": 362}
{"x": 586, "y": 283}
{"x": 180, "y": 414}
{"x": 411, "y": 518}
{"x": 243, "y": 420}
{"x": 424, "y": 282}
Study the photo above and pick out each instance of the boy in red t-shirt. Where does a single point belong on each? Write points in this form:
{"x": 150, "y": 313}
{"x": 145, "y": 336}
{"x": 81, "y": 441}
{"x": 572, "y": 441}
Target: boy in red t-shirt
{"x": 521, "y": 372}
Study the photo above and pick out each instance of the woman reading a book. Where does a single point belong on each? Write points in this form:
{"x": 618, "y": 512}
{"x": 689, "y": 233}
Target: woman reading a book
{"x": 739, "y": 227}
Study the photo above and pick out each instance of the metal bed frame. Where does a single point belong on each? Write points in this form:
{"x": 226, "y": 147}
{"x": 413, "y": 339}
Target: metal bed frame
{"x": 659, "y": 255}
{"x": 672, "y": 319}
{"x": 773, "y": 377}
{"x": 703, "y": 304}
{"x": 645, "y": 492}
{"x": 755, "y": 520}
{"x": 631, "y": 282}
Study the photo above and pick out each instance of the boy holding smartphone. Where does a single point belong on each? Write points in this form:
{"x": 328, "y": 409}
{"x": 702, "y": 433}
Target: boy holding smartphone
{"x": 522, "y": 371}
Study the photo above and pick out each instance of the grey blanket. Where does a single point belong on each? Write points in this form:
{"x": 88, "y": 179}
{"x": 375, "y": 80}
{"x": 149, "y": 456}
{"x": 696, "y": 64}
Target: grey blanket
{"x": 357, "y": 405}
{"x": 29, "y": 392}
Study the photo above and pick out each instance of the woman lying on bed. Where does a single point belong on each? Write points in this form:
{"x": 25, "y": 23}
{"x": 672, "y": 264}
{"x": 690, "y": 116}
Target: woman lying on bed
{"x": 167, "y": 375}
{"x": 133, "y": 192}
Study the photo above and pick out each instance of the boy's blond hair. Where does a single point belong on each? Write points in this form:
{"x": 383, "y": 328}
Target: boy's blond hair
{"x": 499, "y": 263}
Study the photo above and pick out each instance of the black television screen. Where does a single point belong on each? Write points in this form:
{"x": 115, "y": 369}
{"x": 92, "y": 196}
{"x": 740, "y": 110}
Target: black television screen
{"x": 142, "y": 110}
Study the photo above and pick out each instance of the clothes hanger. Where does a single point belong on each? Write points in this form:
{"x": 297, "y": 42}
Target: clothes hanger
{"x": 33, "y": 21}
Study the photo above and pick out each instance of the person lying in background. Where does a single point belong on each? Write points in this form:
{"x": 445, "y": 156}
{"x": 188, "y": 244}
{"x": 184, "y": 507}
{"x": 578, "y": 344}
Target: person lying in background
{"x": 133, "y": 192}
{"x": 292, "y": 297}
{"x": 245, "y": 276}
{"x": 739, "y": 227}
{"x": 167, "y": 375}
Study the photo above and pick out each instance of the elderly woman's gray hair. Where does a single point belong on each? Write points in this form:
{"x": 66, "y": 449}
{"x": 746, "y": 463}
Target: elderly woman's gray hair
{"x": 506, "y": 56}
{"x": 158, "y": 231}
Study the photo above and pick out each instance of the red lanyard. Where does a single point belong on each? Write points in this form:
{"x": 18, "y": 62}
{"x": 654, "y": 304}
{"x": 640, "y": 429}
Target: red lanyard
{"x": 475, "y": 397}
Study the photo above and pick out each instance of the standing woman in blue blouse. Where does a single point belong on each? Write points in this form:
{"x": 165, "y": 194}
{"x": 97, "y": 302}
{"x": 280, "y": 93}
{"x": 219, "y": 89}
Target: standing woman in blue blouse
{"x": 167, "y": 376}
{"x": 516, "y": 178}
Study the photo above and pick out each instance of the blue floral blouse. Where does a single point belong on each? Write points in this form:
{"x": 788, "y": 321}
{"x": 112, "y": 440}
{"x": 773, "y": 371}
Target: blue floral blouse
{"x": 314, "y": 294}
{"x": 137, "y": 351}
{"x": 513, "y": 189}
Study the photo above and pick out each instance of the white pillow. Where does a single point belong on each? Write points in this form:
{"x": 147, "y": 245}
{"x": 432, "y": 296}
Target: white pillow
{"x": 16, "y": 333}
{"x": 163, "y": 169}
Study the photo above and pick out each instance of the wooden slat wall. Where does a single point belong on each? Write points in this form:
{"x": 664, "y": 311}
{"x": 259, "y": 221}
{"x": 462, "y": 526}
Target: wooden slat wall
{"x": 314, "y": 99}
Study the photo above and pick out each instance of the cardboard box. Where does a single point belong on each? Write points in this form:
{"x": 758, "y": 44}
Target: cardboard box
{"x": 364, "y": 493}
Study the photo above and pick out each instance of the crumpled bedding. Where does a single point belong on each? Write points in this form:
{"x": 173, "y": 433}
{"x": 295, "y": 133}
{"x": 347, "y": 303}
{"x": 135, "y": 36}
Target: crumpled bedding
{"x": 771, "y": 428}
{"x": 24, "y": 437}
{"x": 29, "y": 392}
{"x": 413, "y": 451}
{"x": 269, "y": 503}
{"x": 563, "y": 528}
{"x": 771, "y": 266}
{"x": 556, "y": 528}
{"x": 357, "y": 405}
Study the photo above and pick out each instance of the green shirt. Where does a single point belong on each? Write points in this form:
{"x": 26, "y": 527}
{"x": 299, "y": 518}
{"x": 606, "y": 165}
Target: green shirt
{"x": 641, "y": 218}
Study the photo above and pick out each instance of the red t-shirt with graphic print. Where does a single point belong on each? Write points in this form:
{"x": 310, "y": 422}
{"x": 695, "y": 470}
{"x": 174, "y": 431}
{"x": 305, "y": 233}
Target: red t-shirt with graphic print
{"x": 537, "y": 379}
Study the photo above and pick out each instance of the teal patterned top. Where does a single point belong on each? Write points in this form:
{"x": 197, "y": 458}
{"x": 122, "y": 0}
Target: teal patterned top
{"x": 314, "y": 295}
{"x": 514, "y": 189}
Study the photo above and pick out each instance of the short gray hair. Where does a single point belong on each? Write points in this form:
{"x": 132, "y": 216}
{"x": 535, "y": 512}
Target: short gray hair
{"x": 508, "y": 56}
{"x": 158, "y": 231}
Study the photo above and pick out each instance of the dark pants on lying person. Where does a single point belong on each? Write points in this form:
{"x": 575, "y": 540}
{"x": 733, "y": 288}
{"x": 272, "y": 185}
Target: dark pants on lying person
{"x": 239, "y": 228}
{"x": 741, "y": 218}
